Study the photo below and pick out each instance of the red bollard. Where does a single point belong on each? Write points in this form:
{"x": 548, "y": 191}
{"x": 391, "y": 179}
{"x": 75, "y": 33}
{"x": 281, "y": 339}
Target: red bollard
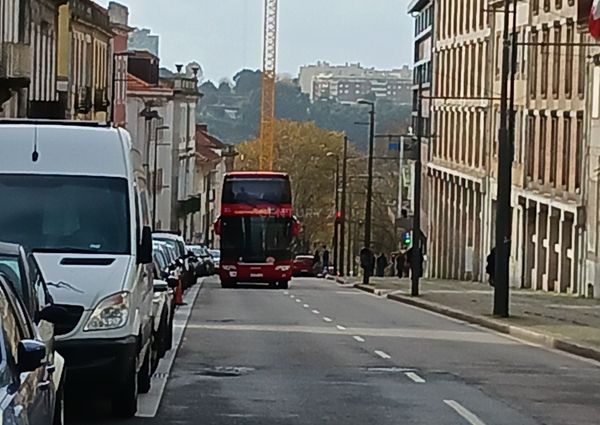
{"x": 179, "y": 294}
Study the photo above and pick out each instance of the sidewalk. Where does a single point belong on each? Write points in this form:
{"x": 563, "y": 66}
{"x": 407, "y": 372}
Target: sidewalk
{"x": 563, "y": 322}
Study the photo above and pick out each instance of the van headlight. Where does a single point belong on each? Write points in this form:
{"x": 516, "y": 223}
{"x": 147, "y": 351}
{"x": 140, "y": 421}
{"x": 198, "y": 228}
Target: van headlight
{"x": 110, "y": 313}
{"x": 228, "y": 268}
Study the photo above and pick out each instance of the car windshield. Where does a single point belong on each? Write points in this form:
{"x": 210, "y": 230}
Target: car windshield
{"x": 254, "y": 239}
{"x": 65, "y": 213}
{"x": 257, "y": 190}
{"x": 199, "y": 251}
{"x": 173, "y": 245}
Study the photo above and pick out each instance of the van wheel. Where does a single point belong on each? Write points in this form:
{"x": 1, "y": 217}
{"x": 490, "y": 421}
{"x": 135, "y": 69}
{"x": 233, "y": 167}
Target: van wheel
{"x": 59, "y": 404}
{"x": 144, "y": 376}
{"x": 162, "y": 336}
{"x": 284, "y": 284}
{"x": 124, "y": 402}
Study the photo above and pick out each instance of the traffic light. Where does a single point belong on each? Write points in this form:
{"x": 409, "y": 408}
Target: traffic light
{"x": 338, "y": 216}
{"x": 407, "y": 238}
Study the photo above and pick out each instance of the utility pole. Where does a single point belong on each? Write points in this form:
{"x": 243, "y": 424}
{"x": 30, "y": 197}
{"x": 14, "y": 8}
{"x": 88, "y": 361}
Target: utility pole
{"x": 417, "y": 249}
{"x": 343, "y": 207}
{"x": 503, "y": 207}
{"x": 335, "y": 221}
{"x": 369, "y": 202}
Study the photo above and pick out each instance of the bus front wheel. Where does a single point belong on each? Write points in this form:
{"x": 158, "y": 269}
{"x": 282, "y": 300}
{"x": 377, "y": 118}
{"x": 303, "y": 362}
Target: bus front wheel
{"x": 228, "y": 284}
{"x": 284, "y": 284}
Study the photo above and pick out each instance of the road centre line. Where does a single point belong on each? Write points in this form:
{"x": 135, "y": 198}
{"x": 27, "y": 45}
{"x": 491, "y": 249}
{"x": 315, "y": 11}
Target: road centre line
{"x": 414, "y": 377}
{"x": 382, "y": 354}
{"x": 341, "y": 328}
{"x": 298, "y": 300}
{"x": 306, "y": 306}
{"x": 286, "y": 292}
{"x": 292, "y": 296}
{"x": 327, "y": 319}
{"x": 358, "y": 338}
{"x": 464, "y": 412}
{"x": 316, "y": 311}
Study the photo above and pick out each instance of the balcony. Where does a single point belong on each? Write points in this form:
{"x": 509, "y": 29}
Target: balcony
{"x": 83, "y": 100}
{"x": 101, "y": 101}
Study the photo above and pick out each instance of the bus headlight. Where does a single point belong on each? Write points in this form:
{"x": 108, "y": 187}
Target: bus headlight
{"x": 282, "y": 268}
{"x": 110, "y": 313}
{"x": 229, "y": 267}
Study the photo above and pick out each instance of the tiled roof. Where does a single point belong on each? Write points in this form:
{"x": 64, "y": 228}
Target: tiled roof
{"x": 137, "y": 84}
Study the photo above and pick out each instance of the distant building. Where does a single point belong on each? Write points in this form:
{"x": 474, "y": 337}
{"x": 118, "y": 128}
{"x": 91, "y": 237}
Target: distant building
{"x": 351, "y": 82}
{"x": 119, "y": 21}
{"x": 143, "y": 40}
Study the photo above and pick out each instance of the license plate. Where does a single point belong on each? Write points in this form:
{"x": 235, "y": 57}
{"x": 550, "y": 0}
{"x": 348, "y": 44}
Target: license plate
{"x": 256, "y": 275}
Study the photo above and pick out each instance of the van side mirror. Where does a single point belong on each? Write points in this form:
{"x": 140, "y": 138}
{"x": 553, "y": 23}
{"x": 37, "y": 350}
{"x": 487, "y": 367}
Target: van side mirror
{"x": 144, "y": 251}
{"x": 52, "y": 314}
{"x": 30, "y": 355}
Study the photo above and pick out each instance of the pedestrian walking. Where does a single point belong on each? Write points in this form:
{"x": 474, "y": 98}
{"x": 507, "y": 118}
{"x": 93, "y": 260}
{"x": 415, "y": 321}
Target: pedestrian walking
{"x": 382, "y": 263}
{"x": 400, "y": 264}
{"x": 325, "y": 259}
{"x": 490, "y": 267}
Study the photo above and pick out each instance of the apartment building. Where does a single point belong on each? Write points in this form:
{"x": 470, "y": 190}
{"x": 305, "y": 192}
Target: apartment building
{"x": 85, "y": 60}
{"x": 28, "y": 58}
{"x": 119, "y": 21}
{"x": 458, "y": 166}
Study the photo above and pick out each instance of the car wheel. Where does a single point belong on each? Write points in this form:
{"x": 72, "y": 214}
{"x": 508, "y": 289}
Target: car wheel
{"x": 284, "y": 284}
{"x": 145, "y": 373}
{"x": 124, "y": 401}
{"x": 59, "y": 404}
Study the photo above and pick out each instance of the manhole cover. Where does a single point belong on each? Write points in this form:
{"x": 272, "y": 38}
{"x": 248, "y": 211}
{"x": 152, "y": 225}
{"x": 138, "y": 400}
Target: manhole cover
{"x": 225, "y": 371}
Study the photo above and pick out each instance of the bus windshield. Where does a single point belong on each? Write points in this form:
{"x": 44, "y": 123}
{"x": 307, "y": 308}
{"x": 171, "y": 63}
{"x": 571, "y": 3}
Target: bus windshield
{"x": 254, "y": 239}
{"x": 257, "y": 190}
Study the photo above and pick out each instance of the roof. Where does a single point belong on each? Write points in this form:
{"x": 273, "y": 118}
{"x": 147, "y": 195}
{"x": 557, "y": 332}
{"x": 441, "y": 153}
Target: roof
{"x": 203, "y": 138}
{"x": 243, "y": 174}
{"x": 137, "y": 84}
{"x": 207, "y": 153}
{"x": 9, "y": 248}
{"x": 417, "y": 5}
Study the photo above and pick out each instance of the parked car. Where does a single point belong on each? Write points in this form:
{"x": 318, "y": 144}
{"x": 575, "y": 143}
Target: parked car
{"x": 205, "y": 265}
{"x": 21, "y": 272}
{"x": 303, "y": 265}
{"x": 175, "y": 241}
{"x": 87, "y": 223}
{"x": 28, "y": 393}
{"x": 216, "y": 258}
{"x": 164, "y": 305}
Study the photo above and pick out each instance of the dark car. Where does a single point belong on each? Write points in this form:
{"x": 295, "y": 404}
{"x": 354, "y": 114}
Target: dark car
{"x": 205, "y": 265}
{"x": 303, "y": 265}
{"x": 28, "y": 393}
{"x": 176, "y": 243}
{"x": 22, "y": 273}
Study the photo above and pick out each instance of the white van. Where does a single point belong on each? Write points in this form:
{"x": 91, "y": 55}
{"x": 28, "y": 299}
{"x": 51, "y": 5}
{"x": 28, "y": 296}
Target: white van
{"x": 75, "y": 195}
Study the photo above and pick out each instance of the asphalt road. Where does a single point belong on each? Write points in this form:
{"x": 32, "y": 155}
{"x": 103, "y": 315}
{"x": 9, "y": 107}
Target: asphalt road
{"x": 319, "y": 353}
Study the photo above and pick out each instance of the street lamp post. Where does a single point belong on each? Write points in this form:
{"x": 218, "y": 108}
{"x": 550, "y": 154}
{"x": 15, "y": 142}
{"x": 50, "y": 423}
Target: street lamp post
{"x": 155, "y": 173}
{"x": 337, "y": 203}
{"x": 369, "y": 201}
{"x": 343, "y": 207}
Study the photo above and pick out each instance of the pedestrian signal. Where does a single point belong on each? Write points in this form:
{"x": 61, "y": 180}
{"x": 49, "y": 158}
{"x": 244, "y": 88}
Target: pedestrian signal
{"x": 407, "y": 238}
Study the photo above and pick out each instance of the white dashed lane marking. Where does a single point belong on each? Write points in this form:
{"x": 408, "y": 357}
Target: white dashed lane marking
{"x": 306, "y": 306}
{"x": 327, "y": 319}
{"x": 382, "y": 354}
{"x": 341, "y": 328}
{"x": 414, "y": 377}
{"x": 464, "y": 412}
{"x": 316, "y": 311}
{"x": 358, "y": 338}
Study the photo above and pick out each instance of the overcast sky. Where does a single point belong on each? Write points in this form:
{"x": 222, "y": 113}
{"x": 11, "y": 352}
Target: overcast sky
{"x": 224, "y": 36}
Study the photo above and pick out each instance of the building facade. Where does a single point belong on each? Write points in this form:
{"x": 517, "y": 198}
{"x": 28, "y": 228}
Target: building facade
{"x": 119, "y": 21}
{"x": 85, "y": 60}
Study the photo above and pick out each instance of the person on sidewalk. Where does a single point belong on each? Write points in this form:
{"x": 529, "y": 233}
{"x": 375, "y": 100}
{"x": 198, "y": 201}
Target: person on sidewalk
{"x": 382, "y": 263}
{"x": 490, "y": 267}
{"x": 413, "y": 254}
{"x": 325, "y": 258}
{"x": 400, "y": 264}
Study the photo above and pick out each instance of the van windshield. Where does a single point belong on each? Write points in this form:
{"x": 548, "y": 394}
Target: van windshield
{"x": 76, "y": 214}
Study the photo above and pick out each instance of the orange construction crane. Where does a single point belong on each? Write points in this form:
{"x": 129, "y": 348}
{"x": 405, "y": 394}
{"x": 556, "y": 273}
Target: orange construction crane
{"x": 267, "y": 110}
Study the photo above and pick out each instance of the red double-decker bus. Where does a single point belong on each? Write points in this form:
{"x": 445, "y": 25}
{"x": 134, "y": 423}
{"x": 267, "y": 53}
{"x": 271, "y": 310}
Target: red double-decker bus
{"x": 256, "y": 229}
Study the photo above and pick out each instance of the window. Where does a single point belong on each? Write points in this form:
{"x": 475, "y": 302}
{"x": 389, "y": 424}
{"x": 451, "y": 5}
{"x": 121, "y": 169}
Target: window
{"x": 582, "y": 68}
{"x": 530, "y": 145}
{"x": 66, "y": 213}
{"x": 533, "y": 64}
{"x": 569, "y": 61}
{"x": 545, "y": 59}
{"x": 542, "y": 151}
{"x": 553, "y": 149}
{"x": 578, "y": 146}
{"x": 535, "y": 6}
{"x": 10, "y": 269}
{"x": 556, "y": 62}
{"x": 41, "y": 295}
{"x": 558, "y": 4}
{"x": 546, "y": 6}
{"x": 566, "y": 152}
